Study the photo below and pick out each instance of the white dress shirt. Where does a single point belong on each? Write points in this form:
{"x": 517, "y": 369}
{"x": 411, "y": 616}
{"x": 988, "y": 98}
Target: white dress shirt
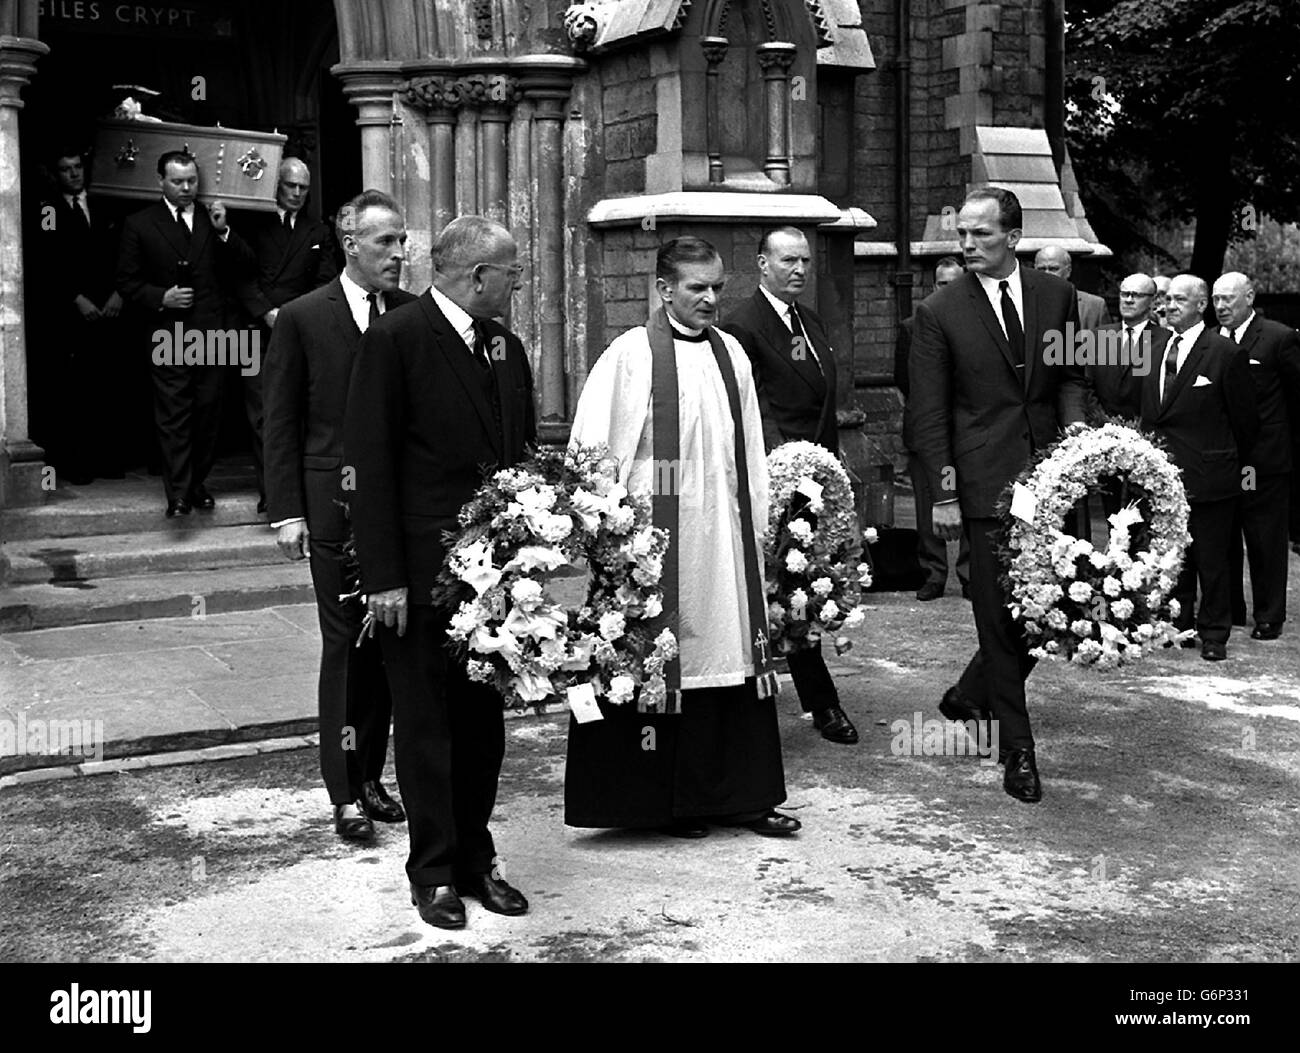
{"x": 1183, "y": 343}
{"x": 1235, "y": 335}
{"x": 991, "y": 290}
{"x": 78, "y": 199}
{"x": 188, "y": 218}
{"x": 782, "y": 310}
{"x": 358, "y": 302}
{"x": 460, "y": 320}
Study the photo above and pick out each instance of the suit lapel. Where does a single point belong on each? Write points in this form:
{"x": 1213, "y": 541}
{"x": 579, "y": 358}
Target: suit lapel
{"x": 294, "y": 244}
{"x": 1250, "y": 337}
{"x": 779, "y": 338}
{"x": 342, "y": 312}
{"x": 984, "y": 311}
{"x": 1033, "y": 341}
{"x": 452, "y": 348}
{"x": 167, "y": 226}
{"x": 1189, "y": 368}
{"x": 501, "y": 373}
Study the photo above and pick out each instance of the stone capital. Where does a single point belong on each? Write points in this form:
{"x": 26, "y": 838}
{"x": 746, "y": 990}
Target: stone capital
{"x": 715, "y": 49}
{"x": 775, "y": 59}
{"x": 18, "y": 57}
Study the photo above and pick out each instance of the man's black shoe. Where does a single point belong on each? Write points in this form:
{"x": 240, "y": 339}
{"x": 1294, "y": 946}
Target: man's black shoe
{"x": 773, "y": 824}
{"x": 179, "y": 507}
{"x": 687, "y": 828}
{"x": 1266, "y": 631}
{"x": 1214, "y": 652}
{"x": 931, "y": 590}
{"x": 376, "y": 803}
{"x": 835, "y": 725}
{"x": 495, "y": 894}
{"x": 201, "y": 499}
{"x": 1021, "y": 777}
{"x": 439, "y": 906}
{"x": 956, "y": 706}
{"x": 353, "y": 825}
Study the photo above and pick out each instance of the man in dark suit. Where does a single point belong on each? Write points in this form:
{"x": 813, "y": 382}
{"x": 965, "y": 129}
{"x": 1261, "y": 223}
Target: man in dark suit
{"x": 177, "y": 263}
{"x": 78, "y": 366}
{"x": 294, "y": 254}
{"x": 1272, "y": 353}
{"x": 439, "y": 393}
{"x": 984, "y": 398}
{"x": 308, "y": 366}
{"x": 1093, "y": 312}
{"x": 1201, "y": 401}
{"x": 931, "y": 551}
{"x": 1124, "y": 353}
{"x": 794, "y": 378}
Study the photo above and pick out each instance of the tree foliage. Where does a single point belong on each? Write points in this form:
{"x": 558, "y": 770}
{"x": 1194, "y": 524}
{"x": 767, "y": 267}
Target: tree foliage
{"x": 1181, "y": 110}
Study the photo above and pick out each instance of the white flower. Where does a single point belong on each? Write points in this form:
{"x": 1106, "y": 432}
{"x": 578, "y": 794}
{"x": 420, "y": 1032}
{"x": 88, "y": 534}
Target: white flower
{"x": 621, "y": 690}
{"x": 666, "y": 643}
{"x": 870, "y": 535}
{"x": 642, "y": 543}
{"x": 620, "y": 520}
{"x": 1132, "y": 578}
{"x": 1098, "y": 559}
{"x": 526, "y": 593}
{"x": 534, "y": 557}
{"x": 551, "y": 527}
{"x": 1122, "y": 609}
{"x": 1175, "y": 608}
{"x": 536, "y": 499}
{"x": 1056, "y": 619}
{"x": 612, "y": 625}
{"x": 854, "y": 618}
{"x": 1080, "y": 592}
{"x": 473, "y": 565}
{"x": 1153, "y": 599}
{"x": 1081, "y": 627}
{"x": 1111, "y": 586}
{"x": 801, "y": 531}
{"x": 468, "y": 618}
{"x": 829, "y": 612}
{"x": 533, "y": 687}
{"x": 653, "y": 606}
{"x": 478, "y": 670}
{"x": 823, "y": 586}
{"x": 795, "y": 561}
{"x": 775, "y": 611}
{"x": 588, "y": 507}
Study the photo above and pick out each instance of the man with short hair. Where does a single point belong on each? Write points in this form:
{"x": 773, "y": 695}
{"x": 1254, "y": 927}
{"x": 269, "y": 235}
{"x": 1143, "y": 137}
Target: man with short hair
{"x": 440, "y": 393}
{"x": 1052, "y": 259}
{"x": 931, "y": 550}
{"x": 985, "y": 397}
{"x": 794, "y": 378}
{"x": 677, "y": 391}
{"x": 294, "y": 254}
{"x": 1117, "y": 383}
{"x": 177, "y": 263}
{"x": 1160, "y": 301}
{"x": 1272, "y": 353}
{"x": 1201, "y": 401}
{"x": 308, "y": 365}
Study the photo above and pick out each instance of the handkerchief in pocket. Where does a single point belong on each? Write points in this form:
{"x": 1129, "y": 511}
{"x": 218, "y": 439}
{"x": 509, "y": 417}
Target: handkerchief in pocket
{"x": 1202, "y": 381}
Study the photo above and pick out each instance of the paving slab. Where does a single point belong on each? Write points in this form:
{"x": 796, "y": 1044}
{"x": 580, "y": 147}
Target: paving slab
{"x": 270, "y": 700}
{"x": 258, "y": 660}
{"x": 97, "y": 675}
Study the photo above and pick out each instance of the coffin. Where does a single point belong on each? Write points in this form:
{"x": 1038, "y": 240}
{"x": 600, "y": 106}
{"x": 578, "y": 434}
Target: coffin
{"x": 238, "y": 167}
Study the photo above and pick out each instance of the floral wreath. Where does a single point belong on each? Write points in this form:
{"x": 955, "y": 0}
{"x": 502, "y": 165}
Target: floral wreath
{"x": 1087, "y": 605}
{"x": 813, "y": 549}
{"x": 558, "y": 509}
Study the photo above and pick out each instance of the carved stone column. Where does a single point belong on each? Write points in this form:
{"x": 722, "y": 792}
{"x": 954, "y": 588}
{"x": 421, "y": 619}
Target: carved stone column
{"x": 715, "y": 50}
{"x": 21, "y": 460}
{"x": 499, "y": 94}
{"x": 775, "y": 59}
{"x": 440, "y": 101}
{"x": 371, "y": 90}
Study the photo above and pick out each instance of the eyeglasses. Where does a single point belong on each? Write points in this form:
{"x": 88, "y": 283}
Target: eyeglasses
{"x": 514, "y": 270}
{"x": 1124, "y": 294}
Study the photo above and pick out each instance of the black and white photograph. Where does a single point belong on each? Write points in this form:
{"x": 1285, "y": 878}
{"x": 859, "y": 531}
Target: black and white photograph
{"x": 651, "y": 481}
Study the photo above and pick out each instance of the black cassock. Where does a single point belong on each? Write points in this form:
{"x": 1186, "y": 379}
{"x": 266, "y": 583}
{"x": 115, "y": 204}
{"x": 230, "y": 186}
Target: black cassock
{"x": 719, "y": 757}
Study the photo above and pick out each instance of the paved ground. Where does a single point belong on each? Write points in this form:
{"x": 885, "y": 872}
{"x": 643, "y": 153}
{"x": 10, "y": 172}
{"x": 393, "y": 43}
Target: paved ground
{"x": 1168, "y": 832}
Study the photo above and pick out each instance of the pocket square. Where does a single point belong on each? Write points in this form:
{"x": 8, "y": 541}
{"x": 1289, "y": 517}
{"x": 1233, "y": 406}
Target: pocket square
{"x": 315, "y": 247}
{"x": 1254, "y": 361}
{"x": 1202, "y": 381}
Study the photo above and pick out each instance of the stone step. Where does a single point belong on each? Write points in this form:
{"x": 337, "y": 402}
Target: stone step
{"x": 169, "y": 595}
{"x": 187, "y": 544}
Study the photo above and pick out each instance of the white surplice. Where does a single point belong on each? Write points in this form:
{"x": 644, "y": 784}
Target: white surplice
{"x": 615, "y": 409}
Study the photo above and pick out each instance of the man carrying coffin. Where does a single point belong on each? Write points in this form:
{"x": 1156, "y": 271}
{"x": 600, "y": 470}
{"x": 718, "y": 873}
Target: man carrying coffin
{"x": 677, "y": 392}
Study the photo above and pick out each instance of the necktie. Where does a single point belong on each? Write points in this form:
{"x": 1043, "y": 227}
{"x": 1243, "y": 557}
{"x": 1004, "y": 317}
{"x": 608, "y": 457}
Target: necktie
{"x": 180, "y": 222}
{"x": 1015, "y": 334}
{"x": 1171, "y": 369}
{"x": 373, "y": 299}
{"x": 79, "y": 213}
{"x": 288, "y": 222}
{"x": 479, "y": 347}
{"x": 1128, "y": 343}
{"x": 801, "y": 339}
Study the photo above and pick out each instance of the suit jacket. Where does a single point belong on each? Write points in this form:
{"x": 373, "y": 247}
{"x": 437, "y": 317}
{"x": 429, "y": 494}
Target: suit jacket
{"x": 1208, "y": 423}
{"x": 1093, "y": 311}
{"x": 77, "y": 260}
{"x": 902, "y": 379}
{"x": 287, "y": 265}
{"x": 1272, "y": 351}
{"x": 796, "y": 400}
{"x": 305, "y": 376}
{"x": 1115, "y": 388}
{"x": 419, "y": 431}
{"x": 151, "y": 247}
{"x": 971, "y": 410}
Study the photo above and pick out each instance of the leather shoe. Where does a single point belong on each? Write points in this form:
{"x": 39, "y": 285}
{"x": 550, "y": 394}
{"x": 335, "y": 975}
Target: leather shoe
{"x": 179, "y": 507}
{"x": 495, "y": 894}
{"x": 353, "y": 825}
{"x": 1021, "y": 777}
{"x": 201, "y": 499}
{"x": 1214, "y": 652}
{"x": 931, "y": 590}
{"x": 956, "y": 706}
{"x": 1266, "y": 631}
{"x": 835, "y": 725}
{"x": 378, "y": 806}
{"x": 1189, "y": 643}
{"x": 689, "y": 828}
{"x": 773, "y": 824}
{"x": 439, "y": 906}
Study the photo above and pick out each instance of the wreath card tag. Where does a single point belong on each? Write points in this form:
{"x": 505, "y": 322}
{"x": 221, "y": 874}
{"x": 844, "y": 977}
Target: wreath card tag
{"x": 810, "y": 488}
{"x": 582, "y": 704}
{"x": 1023, "y": 503}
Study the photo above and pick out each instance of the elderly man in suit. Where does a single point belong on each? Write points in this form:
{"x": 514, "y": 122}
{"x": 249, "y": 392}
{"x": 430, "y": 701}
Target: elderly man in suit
{"x": 294, "y": 255}
{"x": 1272, "y": 353}
{"x": 931, "y": 550}
{"x": 308, "y": 365}
{"x": 177, "y": 263}
{"x": 1201, "y": 401}
{"x": 984, "y": 398}
{"x": 794, "y": 376}
{"x": 1052, "y": 259}
{"x": 440, "y": 392}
